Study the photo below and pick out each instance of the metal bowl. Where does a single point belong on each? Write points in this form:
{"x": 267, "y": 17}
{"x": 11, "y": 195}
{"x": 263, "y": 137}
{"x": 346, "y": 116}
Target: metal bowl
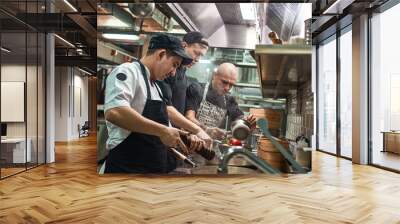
{"x": 240, "y": 129}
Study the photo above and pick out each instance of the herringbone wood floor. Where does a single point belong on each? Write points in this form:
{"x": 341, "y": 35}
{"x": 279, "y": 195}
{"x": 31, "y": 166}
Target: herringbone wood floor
{"x": 70, "y": 191}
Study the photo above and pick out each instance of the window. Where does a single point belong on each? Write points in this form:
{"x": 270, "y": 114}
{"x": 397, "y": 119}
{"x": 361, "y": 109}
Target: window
{"x": 385, "y": 88}
{"x": 327, "y": 96}
{"x": 346, "y": 93}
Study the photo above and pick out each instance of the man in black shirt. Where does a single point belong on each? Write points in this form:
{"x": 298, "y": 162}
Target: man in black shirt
{"x": 207, "y": 105}
{"x": 174, "y": 87}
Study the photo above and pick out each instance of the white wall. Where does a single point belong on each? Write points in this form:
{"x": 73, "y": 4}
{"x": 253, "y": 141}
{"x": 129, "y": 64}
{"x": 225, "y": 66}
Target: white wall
{"x": 33, "y": 126}
{"x": 71, "y": 93}
{"x": 16, "y": 73}
{"x": 61, "y": 103}
{"x": 80, "y": 94}
{"x": 12, "y": 73}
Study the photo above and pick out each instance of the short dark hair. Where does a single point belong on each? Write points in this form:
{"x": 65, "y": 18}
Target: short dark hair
{"x": 169, "y": 53}
{"x": 195, "y": 37}
{"x": 202, "y": 45}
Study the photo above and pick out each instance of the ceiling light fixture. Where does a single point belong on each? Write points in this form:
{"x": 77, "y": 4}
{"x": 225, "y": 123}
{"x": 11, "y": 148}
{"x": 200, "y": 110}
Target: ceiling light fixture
{"x": 337, "y": 7}
{"x": 86, "y": 72}
{"x": 70, "y": 5}
{"x": 248, "y": 11}
{"x": 5, "y": 50}
{"x": 65, "y": 41}
{"x": 112, "y": 21}
{"x": 117, "y": 36}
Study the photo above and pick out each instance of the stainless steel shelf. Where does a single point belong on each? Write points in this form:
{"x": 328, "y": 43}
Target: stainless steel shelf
{"x": 249, "y": 105}
{"x": 243, "y": 64}
{"x": 260, "y": 99}
{"x": 283, "y": 49}
{"x": 271, "y": 106}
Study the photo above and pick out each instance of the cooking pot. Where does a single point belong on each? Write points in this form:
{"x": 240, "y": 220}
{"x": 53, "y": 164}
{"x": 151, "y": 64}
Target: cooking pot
{"x": 240, "y": 129}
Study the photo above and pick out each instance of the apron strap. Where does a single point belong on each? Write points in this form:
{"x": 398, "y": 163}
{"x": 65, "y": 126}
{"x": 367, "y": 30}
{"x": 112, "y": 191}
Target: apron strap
{"x": 205, "y": 90}
{"x": 147, "y": 83}
{"x": 159, "y": 93}
{"x": 145, "y": 78}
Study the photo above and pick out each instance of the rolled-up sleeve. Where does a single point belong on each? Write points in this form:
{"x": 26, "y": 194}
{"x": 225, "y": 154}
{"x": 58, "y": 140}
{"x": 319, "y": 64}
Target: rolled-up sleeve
{"x": 120, "y": 88}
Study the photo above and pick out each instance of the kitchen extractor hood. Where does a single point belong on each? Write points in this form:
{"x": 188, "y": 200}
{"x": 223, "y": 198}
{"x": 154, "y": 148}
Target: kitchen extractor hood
{"x": 225, "y": 26}
{"x": 221, "y": 23}
{"x": 283, "y": 69}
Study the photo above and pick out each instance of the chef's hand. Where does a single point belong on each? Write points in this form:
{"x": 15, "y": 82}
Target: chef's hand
{"x": 252, "y": 120}
{"x": 195, "y": 143}
{"x": 170, "y": 137}
{"x": 216, "y": 133}
{"x": 205, "y": 137}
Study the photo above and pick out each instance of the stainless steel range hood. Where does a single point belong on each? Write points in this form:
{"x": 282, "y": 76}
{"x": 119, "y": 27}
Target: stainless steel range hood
{"x": 221, "y": 23}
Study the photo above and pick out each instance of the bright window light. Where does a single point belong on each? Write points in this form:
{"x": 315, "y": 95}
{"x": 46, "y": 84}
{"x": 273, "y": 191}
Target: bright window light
{"x": 70, "y": 5}
{"x": 117, "y": 36}
{"x": 248, "y": 11}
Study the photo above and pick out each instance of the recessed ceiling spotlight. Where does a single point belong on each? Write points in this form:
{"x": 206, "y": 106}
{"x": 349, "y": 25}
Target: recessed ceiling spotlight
{"x": 117, "y": 36}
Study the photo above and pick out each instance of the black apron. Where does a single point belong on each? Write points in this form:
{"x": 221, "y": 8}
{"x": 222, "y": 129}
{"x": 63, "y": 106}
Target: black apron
{"x": 142, "y": 153}
{"x": 208, "y": 114}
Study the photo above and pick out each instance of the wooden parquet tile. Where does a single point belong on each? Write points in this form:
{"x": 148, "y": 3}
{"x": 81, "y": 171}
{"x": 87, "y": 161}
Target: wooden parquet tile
{"x": 70, "y": 191}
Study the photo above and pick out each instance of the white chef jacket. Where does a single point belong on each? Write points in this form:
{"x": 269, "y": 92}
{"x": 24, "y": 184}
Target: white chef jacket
{"x": 125, "y": 86}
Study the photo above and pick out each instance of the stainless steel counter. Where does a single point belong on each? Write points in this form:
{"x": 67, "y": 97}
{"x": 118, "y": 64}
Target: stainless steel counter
{"x": 213, "y": 169}
{"x": 237, "y": 165}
